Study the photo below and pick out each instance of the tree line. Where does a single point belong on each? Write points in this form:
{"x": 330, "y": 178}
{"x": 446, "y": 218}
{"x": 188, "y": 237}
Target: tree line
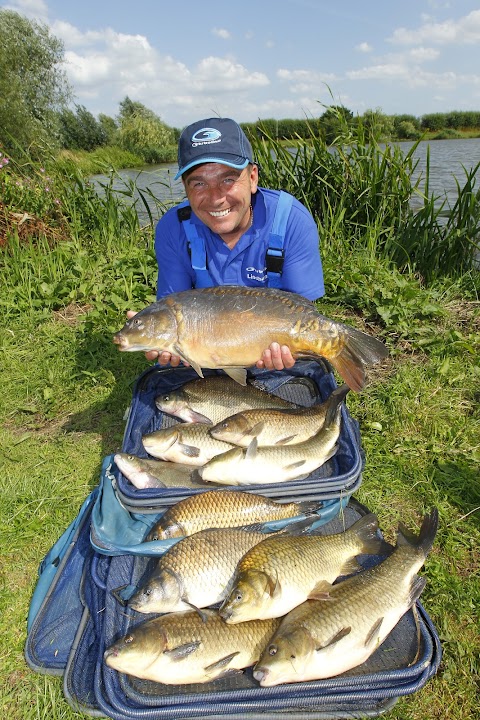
{"x": 38, "y": 112}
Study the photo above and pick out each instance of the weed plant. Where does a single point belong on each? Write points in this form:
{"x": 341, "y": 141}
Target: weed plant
{"x": 66, "y": 387}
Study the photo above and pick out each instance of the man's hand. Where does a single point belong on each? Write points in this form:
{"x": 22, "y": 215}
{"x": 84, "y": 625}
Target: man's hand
{"x": 276, "y": 357}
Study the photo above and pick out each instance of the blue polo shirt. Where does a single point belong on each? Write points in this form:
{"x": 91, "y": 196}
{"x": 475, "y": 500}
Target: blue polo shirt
{"x": 245, "y": 263}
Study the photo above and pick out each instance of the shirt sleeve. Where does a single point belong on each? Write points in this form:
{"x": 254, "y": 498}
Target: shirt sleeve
{"x": 302, "y": 269}
{"x": 175, "y": 271}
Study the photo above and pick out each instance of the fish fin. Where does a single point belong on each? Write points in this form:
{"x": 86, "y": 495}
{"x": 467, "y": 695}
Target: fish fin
{"x": 334, "y": 402}
{"x": 416, "y": 589}
{"x": 349, "y": 567}
{"x": 286, "y": 440}
{"x": 295, "y": 465}
{"x": 188, "y": 360}
{"x": 298, "y": 527}
{"x": 189, "y": 450}
{"x": 256, "y": 429}
{"x": 359, "y": 350}
{"x": 338, "y": 636}
{"x": 308, "y": 507}
{"x": 373, "y": 632}
{"x": 194, "y": 416}
{"x": 222, "y": 663}
{"x": 425, "y": 539}
{"x": 182, "y": 651}
{"x": 238, "y": 374}
{"x": 321, "y": 591}
{"x": 367, "y": 531}
{"x": 251, "y": 451}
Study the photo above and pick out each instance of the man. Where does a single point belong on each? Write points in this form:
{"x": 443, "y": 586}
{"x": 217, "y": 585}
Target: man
{"x": 230, "y": 231}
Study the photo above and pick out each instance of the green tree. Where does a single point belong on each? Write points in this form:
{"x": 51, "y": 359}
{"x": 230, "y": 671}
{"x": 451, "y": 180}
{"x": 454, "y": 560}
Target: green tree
{"x": 33, "y": 84}
{"x": 334, "y": 122}
{"x": 142, "y": 132}
{"x": 377, "y": 125}
{"x": 109, "y": 127}
{"x": 80, "y": 130}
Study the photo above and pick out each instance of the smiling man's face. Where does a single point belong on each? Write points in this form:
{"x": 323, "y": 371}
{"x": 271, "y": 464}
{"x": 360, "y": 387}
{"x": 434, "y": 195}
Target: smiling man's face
{"x": 220, "y": 197}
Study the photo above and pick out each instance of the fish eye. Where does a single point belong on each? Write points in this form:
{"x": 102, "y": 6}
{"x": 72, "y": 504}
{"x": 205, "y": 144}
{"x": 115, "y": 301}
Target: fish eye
{"x": 272, "y": 650}
{"x": 148, "y": 592}
{"x": 293, "y": 657}
{"x": 128, "y": 639}
{"x": 239, "y": 596}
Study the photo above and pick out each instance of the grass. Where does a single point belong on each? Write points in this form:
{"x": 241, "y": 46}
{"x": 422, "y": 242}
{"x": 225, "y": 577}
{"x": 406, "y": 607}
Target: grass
{"x": 66, "y": 389}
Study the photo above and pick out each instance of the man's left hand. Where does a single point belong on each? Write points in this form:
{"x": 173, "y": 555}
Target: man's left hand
{"x": 276, "y": 357}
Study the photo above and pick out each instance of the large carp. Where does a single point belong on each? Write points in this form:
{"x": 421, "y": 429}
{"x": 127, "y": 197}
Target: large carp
{"x": 228, "y": 327}
{"x": 323, "y": 638}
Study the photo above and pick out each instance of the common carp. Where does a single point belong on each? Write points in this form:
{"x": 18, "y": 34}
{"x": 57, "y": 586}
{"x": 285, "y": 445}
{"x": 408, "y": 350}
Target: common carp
{"x": 273, "y": 464}
{"x": 184, "y": 443}
{"x": 324, "y": 638}
{"x": 145, "y": 473}
{"x": 224, "y": 508}
{"x": 196, "y": 572}
{"x": 188, "y": 647}
{"x": 275, "y": 427}
{"x": 212, "y": 399}
{"x": 228, "y": 327}
{"x": 281, "y": 572}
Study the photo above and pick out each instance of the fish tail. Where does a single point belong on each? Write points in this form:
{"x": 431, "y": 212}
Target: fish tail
{"x": 358, "y": 351}
{"x": 368, "y": 534}
{"x": 334, "y": 401}
{"x": 424, "y": 541}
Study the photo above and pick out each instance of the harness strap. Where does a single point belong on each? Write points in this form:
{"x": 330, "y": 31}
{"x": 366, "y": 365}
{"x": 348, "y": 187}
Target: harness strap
{"x": 274, "y": 257}
{"x": 275, "y": 254}
{"x": 196, "y": 246}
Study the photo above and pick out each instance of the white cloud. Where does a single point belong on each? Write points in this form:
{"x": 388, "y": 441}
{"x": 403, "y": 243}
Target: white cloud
{"x": 364, "y": 47}
{"x": 464, "y": 31}
{"x": 223, "y": 75}
{"x": 33, "y": 9}
{"x": 422, "y": 54}
{"x": 305, "y": 81}
{"x": 414, "y": 77}
{"x": 221, "y": 33}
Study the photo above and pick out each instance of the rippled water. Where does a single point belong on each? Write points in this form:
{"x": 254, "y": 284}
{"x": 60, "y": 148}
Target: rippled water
{"x": 447, "y": 160}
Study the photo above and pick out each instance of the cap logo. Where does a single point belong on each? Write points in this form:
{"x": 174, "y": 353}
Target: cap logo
{"x": 206, "y": 136}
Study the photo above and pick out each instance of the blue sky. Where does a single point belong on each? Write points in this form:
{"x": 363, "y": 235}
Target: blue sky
{"x": 267, "y": 58}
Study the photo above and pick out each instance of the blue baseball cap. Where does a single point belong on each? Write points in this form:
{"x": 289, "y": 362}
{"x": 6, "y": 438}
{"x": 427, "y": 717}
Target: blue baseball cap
{"x": 214, "y": 140}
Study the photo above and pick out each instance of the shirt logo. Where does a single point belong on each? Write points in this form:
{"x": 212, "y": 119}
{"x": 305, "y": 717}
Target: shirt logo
{"x": 206, "y": 136}
{"x": 256, "y": 274}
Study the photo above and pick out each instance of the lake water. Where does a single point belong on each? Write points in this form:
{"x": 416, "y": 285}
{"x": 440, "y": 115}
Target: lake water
{"x": 447, "y": 159}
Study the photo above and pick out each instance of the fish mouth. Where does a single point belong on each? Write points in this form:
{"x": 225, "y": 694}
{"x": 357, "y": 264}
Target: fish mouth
{"x": 120, "y": 340}
{"x": 111, "y": 652}
{"x": 225, "y": 613}
{"x": 261, "y": 674}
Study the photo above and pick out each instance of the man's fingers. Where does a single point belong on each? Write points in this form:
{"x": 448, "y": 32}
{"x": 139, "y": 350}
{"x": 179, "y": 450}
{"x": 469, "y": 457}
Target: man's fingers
{"x": 287, "y": 357}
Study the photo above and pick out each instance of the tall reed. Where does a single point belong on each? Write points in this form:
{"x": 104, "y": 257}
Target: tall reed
{"x": 360, "y": 193}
